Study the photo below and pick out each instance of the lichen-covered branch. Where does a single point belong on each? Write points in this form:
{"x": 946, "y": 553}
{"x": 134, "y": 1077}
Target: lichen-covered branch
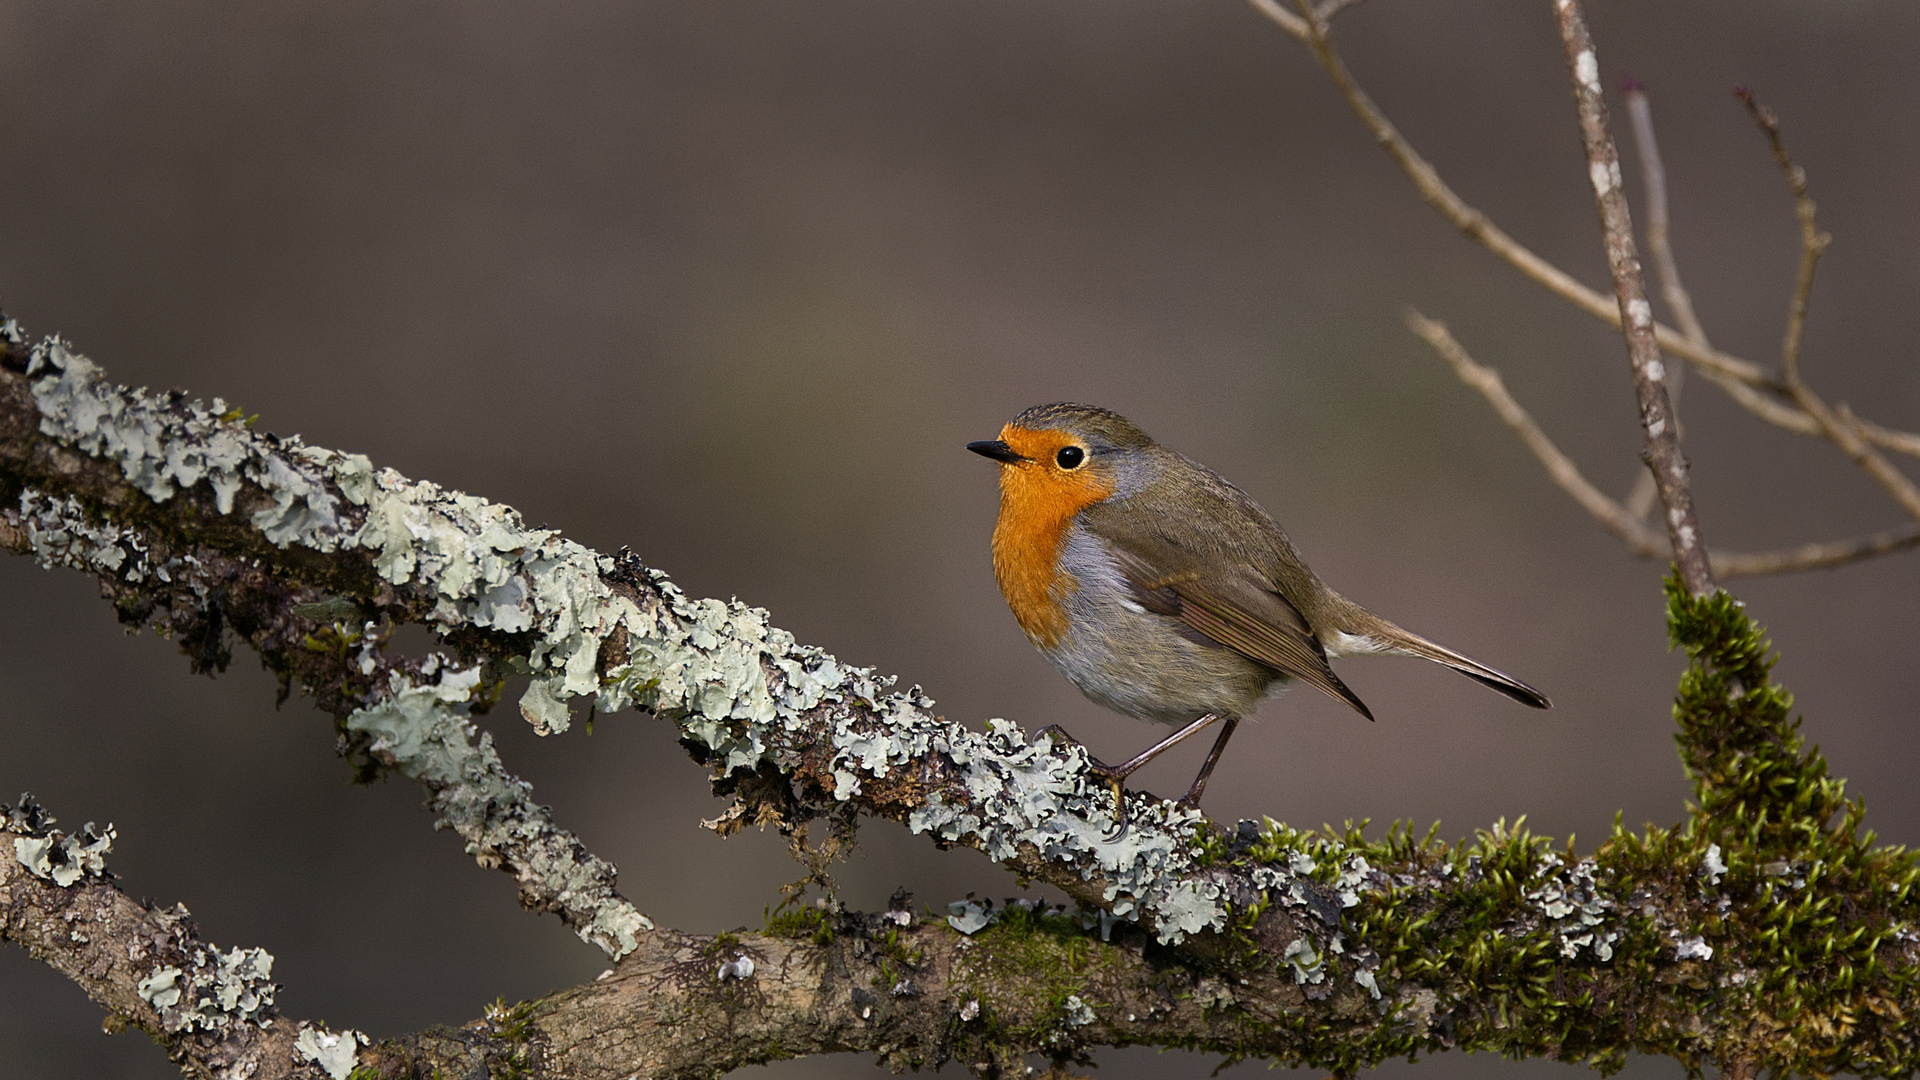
{"x": 793, "y": 729}
{"x": 213, "y": 1011}
{"x": 1768, "y": 932}
{"x": 186, "y": 519}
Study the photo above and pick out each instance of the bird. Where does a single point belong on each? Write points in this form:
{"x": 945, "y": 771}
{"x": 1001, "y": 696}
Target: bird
{"x": 1164, "y": 592}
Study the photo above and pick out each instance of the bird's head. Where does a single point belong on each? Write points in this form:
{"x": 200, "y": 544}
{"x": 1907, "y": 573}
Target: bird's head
{"x": 1066, "y": 456}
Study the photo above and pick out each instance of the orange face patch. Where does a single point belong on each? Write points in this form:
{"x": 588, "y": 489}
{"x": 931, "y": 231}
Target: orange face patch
{"x": 1038, "y": 499}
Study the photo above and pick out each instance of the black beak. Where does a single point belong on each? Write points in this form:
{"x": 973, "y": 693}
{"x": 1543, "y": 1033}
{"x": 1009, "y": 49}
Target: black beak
{"x": 995, "y": 449}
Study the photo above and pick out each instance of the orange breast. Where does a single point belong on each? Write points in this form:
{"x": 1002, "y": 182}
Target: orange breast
{"x": 1038, "y": 500}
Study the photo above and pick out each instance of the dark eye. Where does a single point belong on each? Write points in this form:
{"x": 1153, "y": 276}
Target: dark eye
{"x": 1070, "y": 457}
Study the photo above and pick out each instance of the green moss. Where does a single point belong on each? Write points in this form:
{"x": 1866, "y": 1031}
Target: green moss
{"x": 1763, "y": 928}
{"x": 1047, "y": 954}
{"x": 513, "y": 1031}
{"x": 801, "y": 923}
{"x": 511, "y": 1023}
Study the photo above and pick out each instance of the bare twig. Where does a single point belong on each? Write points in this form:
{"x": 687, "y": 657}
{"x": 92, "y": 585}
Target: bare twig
{"x": 1659, "y": 245}
{"x": 1824, "y": 556}
{"x": 1628, "y": 527}
{"x": 1846, "y": 435}
{"x": 1813, "y": 242}
{"x": 1643, "y": 349}
{"x": 1287, "y": 20}
{"x": 1619, "y": 520}
{"x": 1329, "y": 8}
{"x": 1750, "y": 385}
{"x": 1900, "y": 442}
{"x": 1666, "y": 269}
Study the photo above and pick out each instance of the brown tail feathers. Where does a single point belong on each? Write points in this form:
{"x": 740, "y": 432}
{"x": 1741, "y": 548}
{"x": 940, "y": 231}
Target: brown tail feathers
{"x": 1391, "y": 638}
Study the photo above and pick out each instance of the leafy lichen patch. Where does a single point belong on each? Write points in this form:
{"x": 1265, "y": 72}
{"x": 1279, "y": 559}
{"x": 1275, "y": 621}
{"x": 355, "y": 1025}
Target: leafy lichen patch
{"x": 422, "y": 729}
{"x": 51, "y": 855}
{"x": 335, "y": 1054}
{"x": 212, "y": 990}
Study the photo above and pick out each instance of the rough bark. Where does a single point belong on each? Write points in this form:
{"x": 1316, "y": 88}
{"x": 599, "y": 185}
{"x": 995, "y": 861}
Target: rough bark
{"x": 1763, "y": 930}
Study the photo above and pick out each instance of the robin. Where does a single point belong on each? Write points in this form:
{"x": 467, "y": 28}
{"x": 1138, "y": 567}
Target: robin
{"x": 1162, "y": 591}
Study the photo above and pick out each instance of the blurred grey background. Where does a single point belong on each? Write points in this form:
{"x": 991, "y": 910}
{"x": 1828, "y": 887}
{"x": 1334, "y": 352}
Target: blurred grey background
{"x": 732, "y": 281}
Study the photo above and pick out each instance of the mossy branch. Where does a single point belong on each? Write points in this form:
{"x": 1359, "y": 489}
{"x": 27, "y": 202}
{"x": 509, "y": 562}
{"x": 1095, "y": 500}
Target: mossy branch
{"x": 1766, "y": 928}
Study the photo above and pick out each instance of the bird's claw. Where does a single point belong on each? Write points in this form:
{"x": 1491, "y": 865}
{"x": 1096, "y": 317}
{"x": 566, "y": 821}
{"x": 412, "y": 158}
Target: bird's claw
{"x": 1059, "y": 736}
{"x": 1101, "y": 769}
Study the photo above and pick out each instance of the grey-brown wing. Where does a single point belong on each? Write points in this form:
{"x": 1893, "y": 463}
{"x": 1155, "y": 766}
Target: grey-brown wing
{"x": 1238, "y": 612}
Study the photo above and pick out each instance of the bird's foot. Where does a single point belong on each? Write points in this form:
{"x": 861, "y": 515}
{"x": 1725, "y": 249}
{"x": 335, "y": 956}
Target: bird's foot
{"x": 1116, "y": 777}
{"x": 1191, "y": 800}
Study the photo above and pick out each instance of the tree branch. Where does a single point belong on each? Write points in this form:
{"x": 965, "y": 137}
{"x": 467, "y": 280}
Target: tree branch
{"x": 1662, "y": 454}
{"x": 1624, "y": 524}
{"x": 1847, "y": 436}
{"x": 212, "y": 1011}
{"x": 1330, "y": 950}
{"x": 1621, "y": 520}
{"x": 212, "y": 549}
{"x": 1721, "y": 368}
{"x": 1654, "y": 178}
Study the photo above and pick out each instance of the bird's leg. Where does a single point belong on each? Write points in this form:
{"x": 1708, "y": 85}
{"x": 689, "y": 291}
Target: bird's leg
{"x": 1117, "y": 774}
{"x": 1132, "y": 765}
{"x": 1191, "y": 800}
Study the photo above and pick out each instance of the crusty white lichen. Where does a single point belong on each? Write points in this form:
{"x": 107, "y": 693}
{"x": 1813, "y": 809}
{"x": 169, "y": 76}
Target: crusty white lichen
{"x": 60, "y": 533}
{"x": 167, "y": 444}
{"x": 421, "y": 731}
{"x": 733, "y": 683}
{"x": 190, "y": 986}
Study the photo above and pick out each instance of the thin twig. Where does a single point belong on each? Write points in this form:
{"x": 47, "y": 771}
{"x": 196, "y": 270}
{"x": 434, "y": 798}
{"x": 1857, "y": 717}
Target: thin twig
{"x": 1639, "y": 539}
{"x": 1643, "y": 349}
{"x": 1329, "y": 8}
{"x": 1846, "y": 435}
{"x": 1751, "y": 386}
{"x": 1814, "y": 556}
{"x": 1813, "y": 242}
{"x": 1659, "y": 245}
{"x": 1642, "y": 540}
{"x": 1666, "y": 269}
{"x": 1287, "y": 20}
{"x": 1900, "y": 442}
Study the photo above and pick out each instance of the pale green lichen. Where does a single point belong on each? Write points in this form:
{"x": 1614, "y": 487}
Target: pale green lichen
{"x": 62, "y": 859}
{"x": 60, "y": 533}
{"x": 424, "y": 730}
{"x": 165, "y": 445}
{"x": 970, "y": 916}
{"x": 1577, "y": 910}
{"x": 335, "y": 1054}
{"x": 213, "y": 991}
{"x": 162, "y": 988}
{"x": 1308, "y": 967}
